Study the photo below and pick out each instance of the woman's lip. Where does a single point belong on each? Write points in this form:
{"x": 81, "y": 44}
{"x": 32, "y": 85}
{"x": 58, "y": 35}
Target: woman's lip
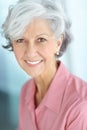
{"x": 33, "y": 62}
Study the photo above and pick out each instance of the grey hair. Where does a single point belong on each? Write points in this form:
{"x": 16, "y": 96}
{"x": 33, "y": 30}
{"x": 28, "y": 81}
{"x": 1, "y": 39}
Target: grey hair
{"x": 21, "y": 14}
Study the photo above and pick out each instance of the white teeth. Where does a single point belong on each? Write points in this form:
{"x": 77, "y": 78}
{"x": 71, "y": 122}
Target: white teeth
{"x": 33, "y": 62}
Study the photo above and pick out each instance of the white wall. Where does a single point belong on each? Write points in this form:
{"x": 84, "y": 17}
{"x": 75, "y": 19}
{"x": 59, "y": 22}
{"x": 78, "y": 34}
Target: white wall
{"x": 77, "y": 54}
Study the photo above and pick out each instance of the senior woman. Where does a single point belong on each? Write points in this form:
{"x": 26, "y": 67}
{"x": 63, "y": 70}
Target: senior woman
{"x": 53, "y": 99}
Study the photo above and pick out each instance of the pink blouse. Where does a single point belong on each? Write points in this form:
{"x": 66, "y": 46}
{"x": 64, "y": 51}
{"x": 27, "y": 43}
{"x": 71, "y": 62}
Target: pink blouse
{"x": 64, "y": 106}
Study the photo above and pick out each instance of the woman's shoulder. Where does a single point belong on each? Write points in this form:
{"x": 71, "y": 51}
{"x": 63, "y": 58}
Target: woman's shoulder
{"x": 78, "y": 86}
{"x": 76, "y": 100}
{"x": 76, "y": 95}
{"x": 75, "y": 92}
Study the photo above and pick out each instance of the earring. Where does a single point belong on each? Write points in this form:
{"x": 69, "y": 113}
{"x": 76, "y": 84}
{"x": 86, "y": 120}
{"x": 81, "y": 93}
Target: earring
{"x": 57, "y": 53}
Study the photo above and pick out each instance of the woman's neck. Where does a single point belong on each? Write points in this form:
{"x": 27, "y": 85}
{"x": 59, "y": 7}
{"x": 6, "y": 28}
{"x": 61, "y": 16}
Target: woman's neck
{"x": 43, "y": 83}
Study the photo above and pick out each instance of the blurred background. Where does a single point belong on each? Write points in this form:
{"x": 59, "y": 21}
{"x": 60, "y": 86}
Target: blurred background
{"x": 12, "y": 77}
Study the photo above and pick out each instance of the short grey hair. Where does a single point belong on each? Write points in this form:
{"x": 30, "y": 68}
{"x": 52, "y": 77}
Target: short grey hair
{"x": 24, "y": 11}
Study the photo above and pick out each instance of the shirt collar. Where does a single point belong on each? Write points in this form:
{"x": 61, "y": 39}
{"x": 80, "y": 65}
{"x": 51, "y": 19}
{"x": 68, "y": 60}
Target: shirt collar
{"x": 55, "y": 94}
{"x": 30, "y": 91}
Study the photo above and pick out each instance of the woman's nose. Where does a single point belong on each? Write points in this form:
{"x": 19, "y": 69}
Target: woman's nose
{"x": 31, "y": 50}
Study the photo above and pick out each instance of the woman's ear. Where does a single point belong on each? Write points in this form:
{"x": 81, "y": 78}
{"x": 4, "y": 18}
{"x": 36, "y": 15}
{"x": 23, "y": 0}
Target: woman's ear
{"x": 60, "y": 41}
{"x": 59, "y": 44}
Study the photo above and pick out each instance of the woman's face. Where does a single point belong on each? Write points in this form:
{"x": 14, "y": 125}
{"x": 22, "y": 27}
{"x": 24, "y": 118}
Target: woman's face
{"x": 35, "y": 51}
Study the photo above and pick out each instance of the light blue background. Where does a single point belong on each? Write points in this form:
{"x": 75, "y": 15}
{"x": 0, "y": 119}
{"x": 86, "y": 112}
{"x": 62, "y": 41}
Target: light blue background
{"x": 12, "y": 77}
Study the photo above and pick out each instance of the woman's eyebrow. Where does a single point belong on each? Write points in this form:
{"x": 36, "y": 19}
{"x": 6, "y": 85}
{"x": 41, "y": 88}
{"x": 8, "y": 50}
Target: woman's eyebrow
{"x": 42, "y": 34}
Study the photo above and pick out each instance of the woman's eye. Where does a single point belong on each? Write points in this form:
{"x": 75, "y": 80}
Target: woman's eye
{"x": 41, "y": 39}
{"x": 20, "y": 41}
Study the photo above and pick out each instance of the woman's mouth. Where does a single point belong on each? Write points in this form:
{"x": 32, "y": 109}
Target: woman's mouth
{"x": 33, "y": 63}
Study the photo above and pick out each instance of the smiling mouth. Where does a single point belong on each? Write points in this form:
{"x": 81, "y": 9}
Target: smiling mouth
{"x": 34, "y": 62}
